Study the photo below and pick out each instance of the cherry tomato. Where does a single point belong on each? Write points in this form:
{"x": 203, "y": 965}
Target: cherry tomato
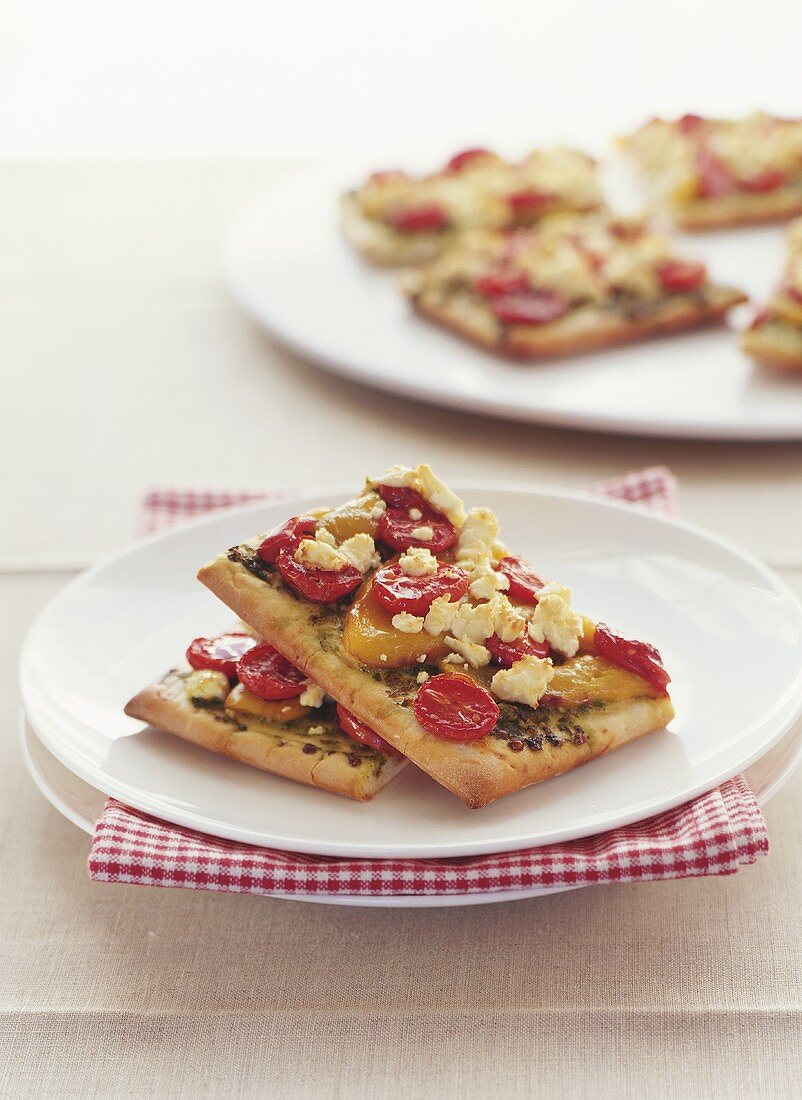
{"x": 286, "y": 537}
{"x": 317, "y": 585}
{"x": 681, "y": 275}
{"x": 395, "y": 527}
{"x": 507, "y": 653}
{"x": 528, "y": 202}
{"x": 768, "y": 180}
{"x": 221, "y": 653}
{"x": 419, "y": 219}
{"x": 638, "y": 657}
{"x": 267, "y": 674}
{"x": 458, "y": 162}
{"x": 396, "y": 591}
{"x": 524, "y": 581}
{"x": 399, "y": 496}
{"x": 501, "y": 282}
{"x": 689, "y": 123}
{"x": 387, "y": 174}
{"x": 760, "y": 318}
{"x": 536, "y": 308}
{"x": 715, "y": 178}
{"x": 455, "y": 708}
{"x": 356, "y": 728}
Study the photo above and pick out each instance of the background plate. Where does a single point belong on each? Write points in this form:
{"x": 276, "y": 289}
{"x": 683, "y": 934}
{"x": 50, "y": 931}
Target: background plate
{"x": 287, "y": 265}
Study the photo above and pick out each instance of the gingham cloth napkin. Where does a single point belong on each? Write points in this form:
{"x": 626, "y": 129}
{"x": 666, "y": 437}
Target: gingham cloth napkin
{"x": 715, "y": 834}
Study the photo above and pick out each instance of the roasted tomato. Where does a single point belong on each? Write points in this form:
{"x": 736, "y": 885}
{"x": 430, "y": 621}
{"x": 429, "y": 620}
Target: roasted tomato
{"x": 524, "y": 581}
{"x": 507, "y": 653}
{"x": 501, "y": 281}
{"x": 220, "y": 654}
{"x": 529, "y": 202}
{"x": 458, "y": 162}
{"x": 427, "y": 218}
{"x": 264, "y": 672}
{"x": 356, "y": 728}
{"x": 285, "y": 537}
{"x": 532, "y": 308}
{"x": 638, "y": 657}
{"x": 396, "y": 591}
{"x": 679, "y": 275}
{"x": 715, "y": 178}
{"x": 317, "y": 585}
{"x": 767, "y": 180}
{"x": 455, "y": 708}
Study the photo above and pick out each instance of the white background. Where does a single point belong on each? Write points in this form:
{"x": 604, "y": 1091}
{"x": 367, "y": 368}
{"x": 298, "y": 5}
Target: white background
{"x": 190, "y": 77}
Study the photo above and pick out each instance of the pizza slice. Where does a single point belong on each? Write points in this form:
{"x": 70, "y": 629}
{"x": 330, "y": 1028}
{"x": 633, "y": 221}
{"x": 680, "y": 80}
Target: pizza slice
{"x": 570, "y": 284}
{"x": 240, "y": 698}
{"x": 775, "y": 335}
{"x": 417, "y": 619}
{"x": 396, "y": 220}
{"x": 708, "y": 173}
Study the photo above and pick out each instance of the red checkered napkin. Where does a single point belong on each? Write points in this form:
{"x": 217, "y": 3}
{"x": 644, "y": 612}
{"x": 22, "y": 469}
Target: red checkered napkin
{"x": 714, "y": 834}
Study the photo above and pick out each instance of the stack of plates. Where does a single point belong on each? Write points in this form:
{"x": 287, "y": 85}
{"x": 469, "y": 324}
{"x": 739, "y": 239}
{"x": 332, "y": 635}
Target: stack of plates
{"x": 730, "y": 632}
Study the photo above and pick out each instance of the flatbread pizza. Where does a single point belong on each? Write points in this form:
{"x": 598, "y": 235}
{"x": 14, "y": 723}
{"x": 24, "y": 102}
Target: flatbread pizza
{"x": 775, "y": 334}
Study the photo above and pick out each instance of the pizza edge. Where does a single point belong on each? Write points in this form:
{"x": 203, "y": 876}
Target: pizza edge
{"x": 164, "y": 704}
{"x": 478, "y": 772}
{"x": 732, "y": 211}
{"x": 760, "y": 345}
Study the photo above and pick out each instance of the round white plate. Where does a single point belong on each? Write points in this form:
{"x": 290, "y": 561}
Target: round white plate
{"x": 83, "y": 805}
{"x": 730, "y": 632}
{"x": 287, "y": 265}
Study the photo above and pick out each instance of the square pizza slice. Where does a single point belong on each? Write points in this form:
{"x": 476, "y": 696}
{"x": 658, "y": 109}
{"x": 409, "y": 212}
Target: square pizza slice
{"x": 708, "y": 173}
{"x": 396, "y": 220}
{"x": 775, "y": 335}
{"x": 571, "y": 284}
{"x": 240, "y": 698}
{"x": 414, "y": 616}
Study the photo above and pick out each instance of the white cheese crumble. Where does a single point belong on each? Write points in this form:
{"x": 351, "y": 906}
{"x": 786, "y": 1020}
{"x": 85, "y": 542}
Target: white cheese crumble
{"x": 509, "y": 622}
{"x": 207, "y": 685}
{"x": 415, "y": 514}
{"x": 554, "y": 620}
{"x": 315, "y": 731}
{"x": 323, "y": 535}
{"x": 475, "y": 543}
{"x": 422, "y": 677}
{"x": 317, "y": 554}
{"x": 487, "y": 584}
{"x": 525, "y": 682}
{"x": 430, "y": 487}
{"x": 378, "y": 508}
{"x": 418, "y": 561}
{"x": 440, "y": 615}
{"x": 360, "y": 551}
{"x": 312, "y": 695}
{"x": 406, "y": 623}
{"x": 473, "y": 623}
{"x": 425, "y": 533}
{"x": 473, "y": 653}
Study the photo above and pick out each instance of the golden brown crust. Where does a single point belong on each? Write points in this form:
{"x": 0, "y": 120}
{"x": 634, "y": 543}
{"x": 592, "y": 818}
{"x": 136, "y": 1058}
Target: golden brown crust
{"x": 478, "y": 772}
{"x": 767, "y": 346}
{"x": 586, "y": 329}
{"x": 268, "y": 747}
{"x": 740, "y": 209}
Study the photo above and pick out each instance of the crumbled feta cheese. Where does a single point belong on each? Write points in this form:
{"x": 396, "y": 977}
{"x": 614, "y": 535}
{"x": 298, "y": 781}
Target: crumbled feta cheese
{"x": 554, "y": 620}
{"x": 440, "y": 615}
{"x": 315, "y": 731}
{"x": 473, "y": 623}
{"x": 323, "y": 535}
{"x": 378, "y": 508}
{"x": 418, "y": 561}
{"x": 318, "y": 554}
{"x": 406, "y": 623}
{"x": 382, "y": 656}
{"x": 207, "y": 686}
{"x": 525, "y": 682}
{"x": 474, "y": 654}
{"x": 424, "y": 481}
{"x": 476, "y": 539}
{"x": 455, "y": 659}
{"x": 312, "y": 695}
{"x": 421, "y": 658}
{"x": 422, "y": 676}
{"x": 425, "y": 534}
{"x": 487, "y": 584}
{"x": 415, "y": 514}
{"x": 509, "y": 622}
{"x": 360, "y": 551}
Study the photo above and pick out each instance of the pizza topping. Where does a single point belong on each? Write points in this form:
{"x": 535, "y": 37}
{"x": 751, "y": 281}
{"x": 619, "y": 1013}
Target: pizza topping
{"x": 397, "y": 591}
{"x": 554, "y": 620}
{"x": 356, "y": 728}
{"x": 359, "y": 551}
{"x": 524, "y": 682}
{"x": 533, "y": 308}
{"x": 769, "y": 179}
{"x": 465, "y": 651}
{"x": 524, "y": 583}
{"x": 319, "y": 553}
{"x": 269, "y": 675}
{"x": 477, "y": 538}
{"x": 500, "y": 281}
{"x": 507, "y": 653}
{"x": 313, "y": 695}
{"x": 440, "y": 615}
{"x": 469, "y": 156}
{"x": 316, "y": 584}
{"x": 715, "y": 179}
{"x": 487, "y": 583}
{"x": 220, "y": 654}
{"x": 455, "y": 708}
{"x": 406, "y": 623}
{"x": 418, "y": 562}
{"x": 529, "y": 202}
{"x": 638, "y": 657}
{"x": 429, "y": 217}
{"x": 400, "y": 532}
{"x": 681, "y": 275}
{"x": 205, "y": 686}
{"x": 426, "y": 485}
{"x": 285, "y": 537}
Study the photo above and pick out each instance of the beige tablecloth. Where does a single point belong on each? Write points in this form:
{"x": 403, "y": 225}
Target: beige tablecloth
{"x": 111, "y": 318}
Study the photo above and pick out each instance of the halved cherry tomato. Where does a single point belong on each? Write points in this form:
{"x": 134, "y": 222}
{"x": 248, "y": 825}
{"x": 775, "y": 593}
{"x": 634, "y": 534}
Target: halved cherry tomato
{"x": 524, "y": 581}
{"x": 395, "y": 591}
{"x": 356, "y": 728}
{"x": 419, "y": 219}
{"x": 681, "y": 275}
{"x": 317, "y": 585}
{"x": 535, "y": 308}
{"x": 455, "y": 708}
{"x": 501, "y": 282}
{"x": 387, "y": 174}
{"x": 220, "y": 653}
{"x": 286, "y": 537}
{"x": 396, "y": 528}
{"x": 715, "y": 178}
{"x": 528, "y": 202}
{"x": 267, "y": 674}
{"x": 399, "y": 496}
{"x": 689, "y": 123}
{"x": 638, "y": 657}
{"x": 767, "y": 180}
{"x": 507, "y": 653}
{"x": 458, "y": 162}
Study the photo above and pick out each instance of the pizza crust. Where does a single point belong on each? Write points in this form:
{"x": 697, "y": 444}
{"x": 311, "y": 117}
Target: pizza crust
{"x": 260, "y": 744}
{"x": 586, "y": 329}
{"x": 739, "y": 209}
{"x": 478, "y": 772}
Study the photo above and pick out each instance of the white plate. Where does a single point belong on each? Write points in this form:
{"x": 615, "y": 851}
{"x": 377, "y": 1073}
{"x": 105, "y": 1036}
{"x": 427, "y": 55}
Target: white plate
{"x": 83, "y": 805}
{"x": 730, "y": 632}
{"x": 287, "y": 264}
